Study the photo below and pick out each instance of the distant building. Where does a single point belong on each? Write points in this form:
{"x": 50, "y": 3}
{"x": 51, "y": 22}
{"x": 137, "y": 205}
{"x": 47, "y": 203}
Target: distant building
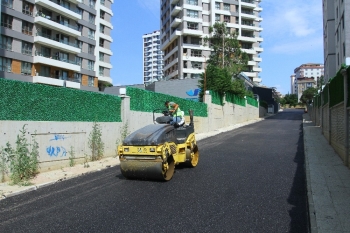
{"x": 152, "y": 58}
{"x": 306, "y": 76}
{"x": 336, "y": 37}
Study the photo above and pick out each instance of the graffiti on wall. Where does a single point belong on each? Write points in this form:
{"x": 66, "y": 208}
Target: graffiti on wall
{"x": 57, "y": 150}
{"x": 193, "y": 93}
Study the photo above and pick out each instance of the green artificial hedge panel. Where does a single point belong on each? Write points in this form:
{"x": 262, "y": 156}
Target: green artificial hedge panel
{"x": 319, "y": 100}
{"x": 336, "y": 90}
{"x": 22, "y": 101}
{"x": 216, "y": 98}
{"x": 252, "y": 101}
{"x": 147, "y": 101}
{"x": 325, "y": 94}
{"x": 232, "y": 98}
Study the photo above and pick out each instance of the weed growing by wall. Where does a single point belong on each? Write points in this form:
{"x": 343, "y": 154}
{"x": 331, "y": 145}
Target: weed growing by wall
{"x": 95, "y": 142}
{"x": 3, "y": 164}
{"x": 23, "y": 162}
{"x": 71, "y": 157}
{"x": 124, "y": 132}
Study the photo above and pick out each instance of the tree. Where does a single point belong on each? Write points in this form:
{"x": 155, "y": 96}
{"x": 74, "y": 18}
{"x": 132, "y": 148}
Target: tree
{"x": 225, "y": 63}
{"x": 291, "y": 99}
{"x": 308, "y": 95}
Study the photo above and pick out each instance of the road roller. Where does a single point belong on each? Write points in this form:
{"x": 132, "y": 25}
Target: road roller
{"x": 152, "y": 152}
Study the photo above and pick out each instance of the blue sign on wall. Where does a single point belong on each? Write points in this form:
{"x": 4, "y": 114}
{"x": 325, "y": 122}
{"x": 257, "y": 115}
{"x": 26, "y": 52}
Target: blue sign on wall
{"x": 193, "y": 93}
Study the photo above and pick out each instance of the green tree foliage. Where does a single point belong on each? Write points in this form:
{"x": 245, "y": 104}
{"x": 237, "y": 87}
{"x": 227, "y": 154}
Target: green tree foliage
{"x": 291, "y": 99}
{"x": 225, "y": 63}
{"x": 308, "y": 95}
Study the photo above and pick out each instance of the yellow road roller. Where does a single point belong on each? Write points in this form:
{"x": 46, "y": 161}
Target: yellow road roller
{"x": 153, "y": 151}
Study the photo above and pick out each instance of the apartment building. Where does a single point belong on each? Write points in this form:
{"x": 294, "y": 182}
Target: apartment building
{"x": 57, "y": 42}
{"x": 335, "y": 35}
{"x": 152, "y": 58}
{"x": 306, "y": 76}
{"x": 184, "y": 24}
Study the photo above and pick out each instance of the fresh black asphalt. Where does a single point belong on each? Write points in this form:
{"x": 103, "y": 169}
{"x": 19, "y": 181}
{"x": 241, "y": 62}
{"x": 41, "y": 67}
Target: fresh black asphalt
{"x": 251, "y": 179}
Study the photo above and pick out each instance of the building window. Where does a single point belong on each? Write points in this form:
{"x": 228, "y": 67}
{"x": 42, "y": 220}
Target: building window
{"x": 196, "y": 40}
{"x": 196, "y": 53}
{"x": 101, "y": 70}
{"x": 27, "y": 8}
{"x": 27, "y": 28}
{"x": 191, "y": 25}
{"x": 5, "y": 64}
{"x": 45, "y": 71}
{"x": 102, "y": 2}
{"x": 217, "y": 17}
{"x": 91, "y": 34}
{"x": 27, "y": 48}
{"x": 6, "y": 42}
{"x": 91, "y": 18}
{"x": 77, "y": 77}
{"x": 7, "y": 3}
{"x": 217, "y": 5}
{"x": 102, "y": 28}
{"x": 26, "y": 68}
{"x": 102, "y": 57}
{"x": 6, "y": 21}
{"x": 91, "y": 49}
{"x": 192, "y": 2}
{"x": 78, "y": 61}
{"x": 102, "y": 42}
{"x": 196, "y": 65}
{"x": 343, "y": 49}
{"x": 192, "y": 14}
{"x": 102, "y": 14}
{"x": 227, "y": 19}
{"x": 92, "y": 4}
{"x": 91, "y": 81}
{"x": 79, "y": 43}
{"x": 226, "y": 7}
{"x": 91, "y": 65}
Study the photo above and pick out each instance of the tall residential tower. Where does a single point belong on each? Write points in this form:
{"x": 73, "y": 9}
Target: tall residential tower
{"x": 57, "y": 42}
{"x": 336, "y": 36}
{"x": 184, "y": 24}
{"x": 152, "y": 58}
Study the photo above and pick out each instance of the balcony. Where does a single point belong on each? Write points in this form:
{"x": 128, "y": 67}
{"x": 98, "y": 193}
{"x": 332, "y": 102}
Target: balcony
{"x": 257, "y": 69}
{"x": 175, "y": 9}
{"x": 57, "y": 81}
{"x": 106, "y": 51}
{"x": 60, "y": 26}
{"x": 63, "y": 9}
{"x": 105, "y": 79}
{"x": 105, "y": 64}
{"x": 56, "y": 61}
{"x": 50, "y": 41}
{"x": 176, "y": 21}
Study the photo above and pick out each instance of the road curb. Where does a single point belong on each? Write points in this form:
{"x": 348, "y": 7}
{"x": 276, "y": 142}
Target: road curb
{"x": 310, "y": 205}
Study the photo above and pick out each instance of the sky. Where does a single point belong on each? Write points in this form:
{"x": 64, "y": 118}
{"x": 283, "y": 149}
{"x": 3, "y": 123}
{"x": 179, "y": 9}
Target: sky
{"x": 292, "y": 34}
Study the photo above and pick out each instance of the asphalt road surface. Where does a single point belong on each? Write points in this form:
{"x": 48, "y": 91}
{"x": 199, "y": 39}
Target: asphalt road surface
{"x": 250, "y": 179}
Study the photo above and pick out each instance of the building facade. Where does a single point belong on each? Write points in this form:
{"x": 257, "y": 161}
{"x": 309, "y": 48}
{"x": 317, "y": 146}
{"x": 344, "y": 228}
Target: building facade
{"x": 306, "y": 76}
{"x": 336, "y": 35}
{"x": 152, "y": 58}
{"x": 57, "y": 42}
{"x": 184, "y": 24}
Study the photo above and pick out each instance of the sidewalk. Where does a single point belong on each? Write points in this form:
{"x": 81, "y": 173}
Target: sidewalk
{"x": 328, "y": 183}
{"x": 51, "y": 177}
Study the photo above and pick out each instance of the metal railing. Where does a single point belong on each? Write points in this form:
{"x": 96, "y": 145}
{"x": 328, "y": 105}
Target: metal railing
{"x": 56, "y": 39}
{"x": 6, "y": 47}
{"x": 62, "y": 22}
{"x": 55, "y": 57}
{"x": 66, "y": 6}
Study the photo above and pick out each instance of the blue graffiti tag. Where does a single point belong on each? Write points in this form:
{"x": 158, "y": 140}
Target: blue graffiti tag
{"x": 55, "y": 151}
{"x": 59, "y": 137}
{"x": 194, "y": 92}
